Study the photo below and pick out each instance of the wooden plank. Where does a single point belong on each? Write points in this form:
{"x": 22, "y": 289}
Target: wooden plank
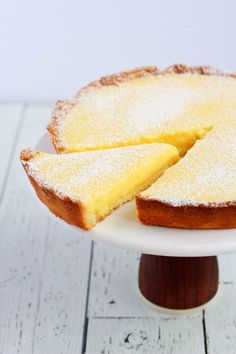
{"x": 227, "y": 266}
{"x": 22, "y": 243}
{"x": 62, "y": 303}
{"x": 159, "y": 335}
{"x": 220, "y": 316}
{"x": 10, "y": 119}
{"x": 44, "y": 283}
{"x": 113, "y": 289}
{"x": 114, "y": 284}
{"x": 220, "y": 320}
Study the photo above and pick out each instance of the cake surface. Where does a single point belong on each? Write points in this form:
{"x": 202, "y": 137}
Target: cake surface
{"x": 170, "y": 108}
{"x": 83, "y": 188}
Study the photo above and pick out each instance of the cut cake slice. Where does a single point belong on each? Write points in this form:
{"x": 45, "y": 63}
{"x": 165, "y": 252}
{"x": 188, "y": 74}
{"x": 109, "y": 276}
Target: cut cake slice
{"x": 83, "y": 188}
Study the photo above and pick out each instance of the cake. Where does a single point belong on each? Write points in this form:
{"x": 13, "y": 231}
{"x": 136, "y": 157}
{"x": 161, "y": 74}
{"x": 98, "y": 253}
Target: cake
{"x": 83, "y": 188}
{"x": 140, "y": 107}
{"x": 191, "y": 108}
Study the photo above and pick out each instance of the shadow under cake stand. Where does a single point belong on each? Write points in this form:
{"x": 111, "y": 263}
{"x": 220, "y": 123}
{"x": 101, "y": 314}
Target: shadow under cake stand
{"x": 178, "y": 270}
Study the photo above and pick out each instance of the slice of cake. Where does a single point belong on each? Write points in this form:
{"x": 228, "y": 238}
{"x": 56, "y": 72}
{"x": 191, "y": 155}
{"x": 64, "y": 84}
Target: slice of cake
{"x": 83, "y": 188}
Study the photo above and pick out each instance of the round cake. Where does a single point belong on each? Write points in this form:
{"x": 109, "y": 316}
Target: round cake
{"x": 190, "y": 108}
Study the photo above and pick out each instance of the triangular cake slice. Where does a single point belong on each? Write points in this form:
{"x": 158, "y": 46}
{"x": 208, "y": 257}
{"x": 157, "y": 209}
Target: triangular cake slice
{"x": 83, "y": 188}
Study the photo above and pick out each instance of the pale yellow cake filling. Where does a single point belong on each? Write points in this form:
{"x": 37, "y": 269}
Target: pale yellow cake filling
{"x": 169, "y": 108}
{"x": 102, "y": 180}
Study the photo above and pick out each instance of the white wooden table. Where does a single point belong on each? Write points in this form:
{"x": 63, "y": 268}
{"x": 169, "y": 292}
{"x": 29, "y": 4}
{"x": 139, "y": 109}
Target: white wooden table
{"x": 61, "y": 294}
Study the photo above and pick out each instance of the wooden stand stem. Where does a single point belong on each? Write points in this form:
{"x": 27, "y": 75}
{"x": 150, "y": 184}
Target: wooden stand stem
{"x": 178, "y": 283}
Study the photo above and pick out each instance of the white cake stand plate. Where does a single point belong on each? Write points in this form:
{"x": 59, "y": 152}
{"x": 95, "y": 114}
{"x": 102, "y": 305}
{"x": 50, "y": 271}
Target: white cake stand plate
{"x": 178, "y": 268}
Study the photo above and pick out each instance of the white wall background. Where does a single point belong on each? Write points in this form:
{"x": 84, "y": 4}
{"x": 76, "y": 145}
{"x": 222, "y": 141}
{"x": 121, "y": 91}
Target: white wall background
{"x": 49, "y": 48}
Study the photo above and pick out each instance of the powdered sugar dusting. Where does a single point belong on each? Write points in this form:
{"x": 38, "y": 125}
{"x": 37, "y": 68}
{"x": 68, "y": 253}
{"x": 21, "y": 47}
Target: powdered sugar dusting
{"x": 144, "y": 108}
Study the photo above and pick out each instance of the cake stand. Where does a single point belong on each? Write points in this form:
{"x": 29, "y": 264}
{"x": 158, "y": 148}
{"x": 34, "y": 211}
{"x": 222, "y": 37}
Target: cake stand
{"x": 178, "y": 269}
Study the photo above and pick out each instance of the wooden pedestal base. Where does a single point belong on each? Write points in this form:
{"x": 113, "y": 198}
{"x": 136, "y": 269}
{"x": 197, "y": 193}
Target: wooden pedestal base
{"x": 178, "y": 283}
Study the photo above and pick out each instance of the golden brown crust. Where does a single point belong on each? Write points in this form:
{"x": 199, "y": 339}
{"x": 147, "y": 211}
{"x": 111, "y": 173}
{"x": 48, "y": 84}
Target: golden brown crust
{"x": 27, "y": 154}
{"x": 154, "y": 212}
{"x": 146, "y": 71}
{"x": 65, "y": 208}
{"x": 200, "y": 70}
{"x": 62, "y": 108}
{"x": 118, "y": 78}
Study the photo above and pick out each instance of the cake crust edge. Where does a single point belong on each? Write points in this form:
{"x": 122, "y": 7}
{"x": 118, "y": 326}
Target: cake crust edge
{"x": 215, "y": 216}
{"x": 63, "y": 207}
